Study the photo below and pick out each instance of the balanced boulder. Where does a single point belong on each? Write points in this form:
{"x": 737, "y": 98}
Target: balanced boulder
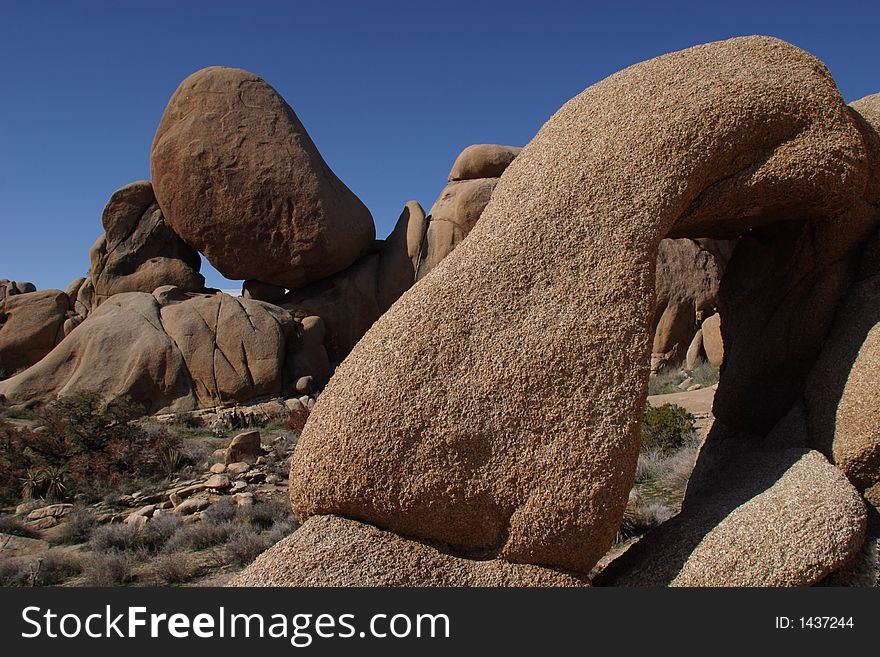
{"x": 238, "y": 177}
{"x": 472, "y": 180}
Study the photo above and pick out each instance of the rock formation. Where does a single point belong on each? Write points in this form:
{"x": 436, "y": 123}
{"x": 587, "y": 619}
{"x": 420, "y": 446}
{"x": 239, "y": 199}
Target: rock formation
{"x": 31, "y": 324}
{"x": 774, "y": 518}
{"x": 689, "y": 273}
{"x": 168, "y": 351}
{"x": 139, "y": 251}
{"x": 239, "y": 178}
{"x": 333, "y": 551}
{"x": 9, "y": 288}
{"x": 352, "y": 300}
{"x": 472, "y": 180}
{"x": 495, "y": 407}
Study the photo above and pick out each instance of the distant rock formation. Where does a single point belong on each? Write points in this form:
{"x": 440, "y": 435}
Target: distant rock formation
{"x": 472, "y": 180}
{"x": 169, "y": 351}
{"x": 31, "y": 324}
{"x": 9, "y": 288}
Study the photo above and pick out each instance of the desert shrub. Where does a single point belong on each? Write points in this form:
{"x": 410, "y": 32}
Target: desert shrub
{"x": 53, "y": 568}
{"x": 77, "y": 526}
{"x": 79, "y": 444}
{"x": 705, "y": 373}
{"x": 665, "y": 381}
{"x": 281, "y": 529}
{"x": 187, "y": 421}
{"x": 225, "y": 510}
{"x": 199, "y": 536}
{"x": 120, "y": 537}
{"x": 13, "y": 572}
{"x": 244, "y": 546}
{"x": 267, "y": 514}
{"x": 109, "y": 568}
{"x": 172, "y": 568}
{"x": 115, "y": 537}
{"x": 14, "y": 526}
{"x": 666, "y": 427}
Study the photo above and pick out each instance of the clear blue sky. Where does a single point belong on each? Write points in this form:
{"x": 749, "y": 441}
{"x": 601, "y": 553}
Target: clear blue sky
{"x": 390, "y": 91}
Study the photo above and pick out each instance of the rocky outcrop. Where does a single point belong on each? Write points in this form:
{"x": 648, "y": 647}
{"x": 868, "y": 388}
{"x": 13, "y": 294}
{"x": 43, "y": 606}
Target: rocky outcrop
{"x": 333, "y": 551}
{"x": 689, "y": 274}
{"x": 168, "y": 351}
{"x": 472, "y": 180}
{"x": 139, "y": 251}
{"x": 10, "y": 288}
{"x": 495, "y": 407}
{"x": 31, "y": 324}
{"x": 238, "y": 177}
{"x": 775, "y": 518}
{"x": 352, "y": 300}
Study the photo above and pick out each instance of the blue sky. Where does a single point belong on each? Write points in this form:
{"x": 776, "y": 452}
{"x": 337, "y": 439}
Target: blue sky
{"x": 389, "y": 90}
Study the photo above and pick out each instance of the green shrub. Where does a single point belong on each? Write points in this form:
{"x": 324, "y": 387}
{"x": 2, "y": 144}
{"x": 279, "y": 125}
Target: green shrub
{"x": 666, "y": 427}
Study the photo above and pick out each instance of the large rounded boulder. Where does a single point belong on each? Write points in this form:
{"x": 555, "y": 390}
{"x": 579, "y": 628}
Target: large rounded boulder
{"x": 238, "y": 177}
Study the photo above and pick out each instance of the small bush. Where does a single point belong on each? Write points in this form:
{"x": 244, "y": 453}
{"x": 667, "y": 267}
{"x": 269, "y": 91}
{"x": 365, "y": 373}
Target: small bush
{"x": 13, "y": 573}
{"x": 245, "y": 546}
{"x": 77, "y": 526}
{"x": 54, "y": 567}
{"x": 115, "y": 537}
{"x": 665, "y": 382}
{"x": 12, "y": 525}
{"x": 172, "y": 568}
{"x": 666, "y": 427}
{"x": 109, "y": 569}
{"x": 199, "y": 536}
{"x": 186, "y": 421}
{"x": 222, "y": 511}
{"x": 266, "y": 514}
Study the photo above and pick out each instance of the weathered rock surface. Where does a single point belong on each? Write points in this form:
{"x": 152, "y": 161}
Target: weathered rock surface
{"x": 239, "y": 178}
{"x": 842, "y": 396}
{"x": 169, "y": 351}
{"x": 785, "y": 518}
{"x": 421, "y": 432}
{"x": 139, "y": 251}
{"x": 333, "y": 551}
{"x": 31, "y": 324}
